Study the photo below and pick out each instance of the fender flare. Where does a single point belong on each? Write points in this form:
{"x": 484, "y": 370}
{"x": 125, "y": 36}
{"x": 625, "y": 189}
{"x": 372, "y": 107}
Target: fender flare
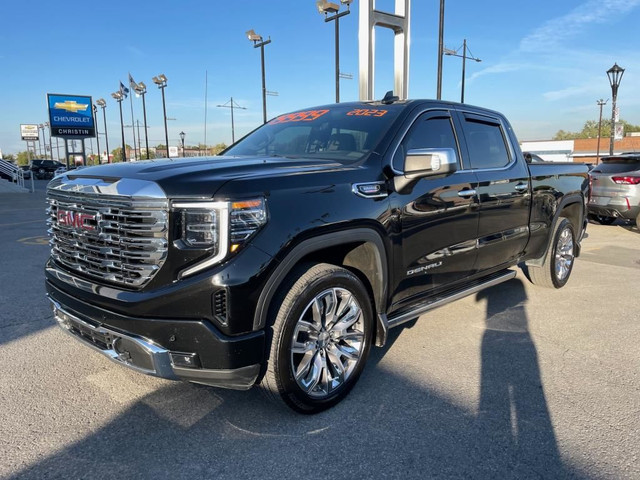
{"x": 314, "y": 244}
{"x": 568, "y": 200}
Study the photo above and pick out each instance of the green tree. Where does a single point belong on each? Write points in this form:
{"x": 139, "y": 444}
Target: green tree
{"x": 117, "y": 153}
{"x": 590, "y": 130}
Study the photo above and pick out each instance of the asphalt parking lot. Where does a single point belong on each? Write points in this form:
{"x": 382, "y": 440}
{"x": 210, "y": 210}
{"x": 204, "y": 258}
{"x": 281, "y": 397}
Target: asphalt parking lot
{"x": 515, "y": 382}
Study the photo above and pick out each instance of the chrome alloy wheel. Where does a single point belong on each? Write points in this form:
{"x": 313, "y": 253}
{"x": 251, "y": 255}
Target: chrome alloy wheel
{"x": 564, "y": 254}
{"x": 327, "y": 342}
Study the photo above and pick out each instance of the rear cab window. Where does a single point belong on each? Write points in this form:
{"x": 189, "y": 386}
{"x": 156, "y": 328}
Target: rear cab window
{"x": 486, "y": 142}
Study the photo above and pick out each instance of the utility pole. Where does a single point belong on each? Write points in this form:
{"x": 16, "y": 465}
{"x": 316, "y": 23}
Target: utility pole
{"x": 601, "y": 103}
{"x": 231, "y": 104}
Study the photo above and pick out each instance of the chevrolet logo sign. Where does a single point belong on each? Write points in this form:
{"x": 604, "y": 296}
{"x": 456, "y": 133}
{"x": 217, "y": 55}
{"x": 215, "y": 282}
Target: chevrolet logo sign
{"x": 71, "y": 106}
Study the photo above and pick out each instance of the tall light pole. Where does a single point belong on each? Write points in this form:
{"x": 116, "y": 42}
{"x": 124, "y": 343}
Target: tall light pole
{"x": 141, "y": 89}
{"x": 615, "y": 76}
{"x": 95, "y": 120}
{"x": 101, "y": 103}
{"x": 48, "y": 126}
{"x": 325, "y": 8}
{"x": 41, "y": 127}
{"x": 119, "y": 97}
{"x": 454, "y": 53}
{"x": 161, "y": 82}
{"x": 440, "y": 50}
{"x": 601, "y": 103}
{"x": 258, "y": 42}
{"x": 231, "y": 104}
{"x": 182, "y": 135}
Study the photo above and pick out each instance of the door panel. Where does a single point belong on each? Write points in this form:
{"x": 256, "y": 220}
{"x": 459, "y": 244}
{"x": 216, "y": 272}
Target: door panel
{"x": 437, "y": 218}
{"x": 503, "y": 190}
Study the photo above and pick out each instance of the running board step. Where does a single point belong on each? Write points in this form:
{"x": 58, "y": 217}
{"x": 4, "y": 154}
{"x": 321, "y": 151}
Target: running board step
{"x": 441, "y": 300}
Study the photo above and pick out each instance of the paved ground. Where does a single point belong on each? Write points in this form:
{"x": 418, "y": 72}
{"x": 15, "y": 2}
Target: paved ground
{"x": 516, "y": 382}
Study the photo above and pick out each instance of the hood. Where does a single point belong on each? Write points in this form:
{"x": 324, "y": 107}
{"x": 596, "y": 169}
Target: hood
{"x": 203, "y": 176}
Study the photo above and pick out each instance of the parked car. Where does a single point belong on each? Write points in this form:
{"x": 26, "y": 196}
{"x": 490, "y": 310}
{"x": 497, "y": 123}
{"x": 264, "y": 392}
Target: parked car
{"x": 283, "y": 261}
{"x": 615, "y": 189}
{"x": 43, "y": 168}
{"x": 26, "y": 172}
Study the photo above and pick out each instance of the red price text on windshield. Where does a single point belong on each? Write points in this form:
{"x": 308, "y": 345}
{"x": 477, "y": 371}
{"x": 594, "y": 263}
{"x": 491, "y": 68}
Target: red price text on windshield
{"x": 367, "y": 112}
{"x": 308, "y": 116}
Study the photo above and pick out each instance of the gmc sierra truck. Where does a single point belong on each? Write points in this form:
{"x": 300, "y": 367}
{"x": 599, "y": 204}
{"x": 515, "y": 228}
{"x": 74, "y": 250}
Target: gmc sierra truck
{"x": 282, "y": 261}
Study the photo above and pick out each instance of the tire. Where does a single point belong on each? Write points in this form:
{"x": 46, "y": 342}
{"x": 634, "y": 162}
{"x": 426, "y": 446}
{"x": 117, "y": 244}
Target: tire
{"x": 315, "y": 359}
{"x": 558, "y": 264}
{"x": 601, "y": 219}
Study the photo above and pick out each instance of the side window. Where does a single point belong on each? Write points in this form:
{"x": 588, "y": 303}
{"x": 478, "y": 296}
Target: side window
{"x": 429, "y": 131}
{"x": 487, "y": 147}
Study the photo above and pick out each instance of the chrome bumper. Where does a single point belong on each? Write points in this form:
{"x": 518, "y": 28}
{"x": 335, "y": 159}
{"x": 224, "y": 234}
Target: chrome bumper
{"x": 143, "y": 356}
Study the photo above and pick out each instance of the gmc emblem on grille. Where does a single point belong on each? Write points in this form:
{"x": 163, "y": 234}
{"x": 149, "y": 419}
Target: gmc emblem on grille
{"x": 76, "y": 220}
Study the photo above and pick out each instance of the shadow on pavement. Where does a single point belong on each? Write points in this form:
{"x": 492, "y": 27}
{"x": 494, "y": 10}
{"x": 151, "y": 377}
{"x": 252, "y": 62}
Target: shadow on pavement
{"x": 388, "y": 427}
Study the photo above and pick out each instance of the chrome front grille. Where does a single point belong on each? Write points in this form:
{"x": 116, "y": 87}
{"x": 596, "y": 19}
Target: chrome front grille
{"x": 117, "y": 239}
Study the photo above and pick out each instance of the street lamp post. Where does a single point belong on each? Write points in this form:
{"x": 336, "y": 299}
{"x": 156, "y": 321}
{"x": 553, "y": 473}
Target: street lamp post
{"x": 258, "y": 42}
{"x": 95, "y": 119}
{"x": 325, "y": 8}
{"x": 182, "y": 135}
{"x": 440, "y": 51}
{"x": 615, "y": 76}
{"x": 161, "y": 81}
{"x": 231, "y": 104}
{"x": 101, "y": 102}
{"x": 141, "y": 89}
{"x": 48, "y": 126}
{"x": 41, "y": 127}
{"x": 600, "y": 103}
{"x": 454, "y": 53}
{"x": 119, "y": 97}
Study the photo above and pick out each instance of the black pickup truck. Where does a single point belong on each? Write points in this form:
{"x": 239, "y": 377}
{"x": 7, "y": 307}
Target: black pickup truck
{"x": 282, "y": 261}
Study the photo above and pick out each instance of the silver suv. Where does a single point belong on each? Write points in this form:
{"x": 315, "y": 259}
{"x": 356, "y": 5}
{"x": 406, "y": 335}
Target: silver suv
{"x": 615, "y": 189}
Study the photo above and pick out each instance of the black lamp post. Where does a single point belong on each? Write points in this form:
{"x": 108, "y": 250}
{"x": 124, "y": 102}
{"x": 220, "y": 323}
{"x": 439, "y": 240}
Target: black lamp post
{"x": 161, "y": 81}
{"x": 326, "y": 7}
{"x": 454, "y": 53}
{"x": 119, "y": 97}
{"x": 101, "y": 103}
{"x": 258, "y": 42}
{"x": 48, "y": 126}
{"x": 41, "y": 127}
{"x": 601, "y": 103}
{"x": 182, "y": 135}
{"x": 141, "y": 89}
{"x": 615, "y": 76}
{"x": 95, "y": 120}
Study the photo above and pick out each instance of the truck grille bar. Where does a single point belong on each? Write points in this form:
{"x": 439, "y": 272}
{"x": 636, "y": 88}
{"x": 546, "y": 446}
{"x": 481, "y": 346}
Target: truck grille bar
{"x": 121, "y": 240}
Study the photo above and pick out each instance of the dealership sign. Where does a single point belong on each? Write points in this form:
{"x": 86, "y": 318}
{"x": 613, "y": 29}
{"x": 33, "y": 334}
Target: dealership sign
{"x": 29, "y": 133}
{"x": 71, "y": 116}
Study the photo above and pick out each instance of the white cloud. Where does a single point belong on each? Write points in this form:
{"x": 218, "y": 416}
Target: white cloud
{"x": 559, "y": 29}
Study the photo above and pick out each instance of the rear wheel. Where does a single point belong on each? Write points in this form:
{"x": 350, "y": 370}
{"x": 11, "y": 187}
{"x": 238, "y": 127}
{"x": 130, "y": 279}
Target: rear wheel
{"x": 557, "y": 267}
{"x": 321, "y": 338}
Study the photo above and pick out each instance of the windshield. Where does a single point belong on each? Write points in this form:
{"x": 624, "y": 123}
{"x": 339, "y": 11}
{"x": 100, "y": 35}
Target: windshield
{"x": 337, "y": 133}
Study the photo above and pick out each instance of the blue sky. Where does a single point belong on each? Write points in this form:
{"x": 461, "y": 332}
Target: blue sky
{"x": 543, "y": 63}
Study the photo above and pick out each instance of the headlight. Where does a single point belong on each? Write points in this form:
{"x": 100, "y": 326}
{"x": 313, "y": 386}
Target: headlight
{"x": 219, "y": 227}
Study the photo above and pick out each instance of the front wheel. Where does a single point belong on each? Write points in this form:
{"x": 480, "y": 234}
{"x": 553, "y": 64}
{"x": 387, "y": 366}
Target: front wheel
{"x": 321, "y": 338}
{"x": 557, "y": 266}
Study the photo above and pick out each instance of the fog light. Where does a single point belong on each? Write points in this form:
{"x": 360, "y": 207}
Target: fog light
{"x": 185, "y": 360}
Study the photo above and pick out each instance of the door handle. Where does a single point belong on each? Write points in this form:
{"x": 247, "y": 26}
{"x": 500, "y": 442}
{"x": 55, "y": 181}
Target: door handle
{"x": 467, "y": 193}
{"x": 521, "y": 187}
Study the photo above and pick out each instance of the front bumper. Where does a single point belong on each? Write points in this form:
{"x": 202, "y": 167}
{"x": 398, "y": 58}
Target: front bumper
{"x": 175, "y": 350}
